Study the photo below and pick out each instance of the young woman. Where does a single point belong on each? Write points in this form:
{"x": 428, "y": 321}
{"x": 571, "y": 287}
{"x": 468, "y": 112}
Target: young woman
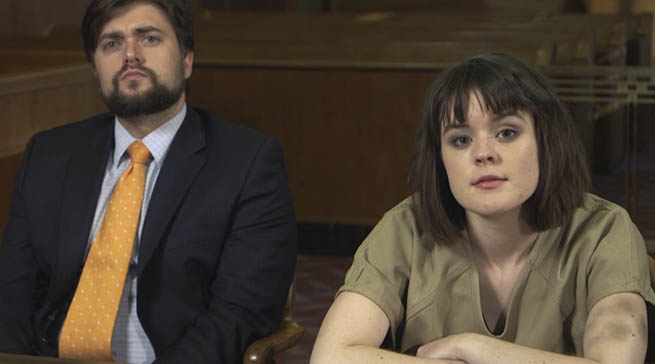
{"x": 500, "y": 255}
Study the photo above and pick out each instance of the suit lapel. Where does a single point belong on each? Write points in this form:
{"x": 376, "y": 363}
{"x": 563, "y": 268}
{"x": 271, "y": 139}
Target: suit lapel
{"x": 184, "y": 160}
{"x": 81, "y": 189}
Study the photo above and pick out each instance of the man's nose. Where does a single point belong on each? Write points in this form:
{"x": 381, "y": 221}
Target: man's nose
{"x": 132, "y": 53}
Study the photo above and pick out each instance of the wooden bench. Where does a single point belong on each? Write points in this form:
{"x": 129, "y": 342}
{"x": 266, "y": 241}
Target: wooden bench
{"x": 35, "y": 100}
{"x": 578, "y": 38}
{"x": 345, "y": 107}
{"x": 602, "y": 36}
{"x": 523, "y": 8}
{"x": 343, "y": 93}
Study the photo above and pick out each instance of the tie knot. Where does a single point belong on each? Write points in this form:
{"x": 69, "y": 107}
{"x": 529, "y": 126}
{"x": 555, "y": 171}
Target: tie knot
{"x": 138, "y": 152}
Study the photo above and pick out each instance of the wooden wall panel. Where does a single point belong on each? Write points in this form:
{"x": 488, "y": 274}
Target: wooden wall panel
{"x": 31, "y": 17}
{"x": 619, "y": 6}
{"x": 9, "y": 167}
{"x": 42, "y": 100}
{"x": 6, "y": 11}
{"x": 531, "y": 7}
{"x": 247, "y": 5}
{"x": 347, "y": 135}
{"x": 39, "y": 101}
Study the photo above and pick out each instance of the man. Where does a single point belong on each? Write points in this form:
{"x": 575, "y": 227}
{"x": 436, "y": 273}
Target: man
{"x": 200, "y": 208}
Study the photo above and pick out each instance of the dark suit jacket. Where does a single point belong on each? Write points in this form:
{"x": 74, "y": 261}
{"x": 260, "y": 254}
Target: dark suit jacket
{"x": 217, "y": 250}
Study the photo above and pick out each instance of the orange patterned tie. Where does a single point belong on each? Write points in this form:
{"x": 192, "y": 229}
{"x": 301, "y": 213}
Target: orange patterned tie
{"x": 89, "y": 324}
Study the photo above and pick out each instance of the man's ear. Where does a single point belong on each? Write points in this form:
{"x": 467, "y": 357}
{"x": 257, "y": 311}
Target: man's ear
{"x": 188, "y": 64}
{"x": 93, "y": 70}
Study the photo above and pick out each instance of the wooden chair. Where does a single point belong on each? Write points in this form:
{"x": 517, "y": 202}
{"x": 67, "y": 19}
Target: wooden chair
{"x": 651, "y": 265}
{"x": 650, "y": 248}
{"x": 287, "y": 335}
{"x": 650, "y": 355}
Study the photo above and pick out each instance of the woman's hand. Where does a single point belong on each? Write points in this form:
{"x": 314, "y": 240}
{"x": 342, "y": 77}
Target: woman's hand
{"x": 352, "y": 332}
{"x": 445, "y": 348}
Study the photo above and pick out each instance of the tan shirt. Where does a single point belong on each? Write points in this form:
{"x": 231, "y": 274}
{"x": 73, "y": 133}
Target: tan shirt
{"x": 433, "y": 290}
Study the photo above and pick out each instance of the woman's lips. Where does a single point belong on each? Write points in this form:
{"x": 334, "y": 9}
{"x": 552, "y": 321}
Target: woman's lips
{"x": 489, "y": 182}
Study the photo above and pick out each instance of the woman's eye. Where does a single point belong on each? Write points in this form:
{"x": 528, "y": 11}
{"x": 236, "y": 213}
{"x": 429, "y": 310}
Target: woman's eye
{"x": 460, "y": 141}
{"x": 507, "y": 133}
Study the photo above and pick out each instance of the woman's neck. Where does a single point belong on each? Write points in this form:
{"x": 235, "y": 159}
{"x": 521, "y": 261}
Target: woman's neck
{"x": 503, "y": 240}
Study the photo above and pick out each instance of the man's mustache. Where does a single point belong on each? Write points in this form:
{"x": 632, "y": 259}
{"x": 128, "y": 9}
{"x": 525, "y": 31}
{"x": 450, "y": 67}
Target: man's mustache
{"x": 140, "y": 68}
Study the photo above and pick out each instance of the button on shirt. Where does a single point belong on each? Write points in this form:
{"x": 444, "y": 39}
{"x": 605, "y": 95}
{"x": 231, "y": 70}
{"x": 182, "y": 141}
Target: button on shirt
{"x": 130, "y": 344}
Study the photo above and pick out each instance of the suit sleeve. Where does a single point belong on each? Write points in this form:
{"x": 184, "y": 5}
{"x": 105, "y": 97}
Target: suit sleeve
{"x": 21, "y": 285}
{"x": 254, "y": 273}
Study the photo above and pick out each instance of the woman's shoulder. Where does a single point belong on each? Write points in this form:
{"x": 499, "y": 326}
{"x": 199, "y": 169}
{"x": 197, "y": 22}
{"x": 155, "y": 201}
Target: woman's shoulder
{"x": 402, "y": 210}
{"x": 594, "y": 204}
{"x": 399, "y": 235}
{"x": 597, "y": 227}
{"x": 399, "y": 220}
{"x": 597, "y": 213}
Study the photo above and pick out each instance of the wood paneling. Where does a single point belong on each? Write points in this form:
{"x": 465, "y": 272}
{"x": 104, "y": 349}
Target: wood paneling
{"x": 32, "y": 17}
{"x": 9, "y": 167}
{"x": 342, "y": 93}
{"x": 344, "y": 100}
{"x": 36, "y": 101}
{"x": 250, "y": 5}
{"x": 347, "y": 135}
{"x": 619, "y": 6}
{"x": 531, "y": 7}
{"x": 41, "y": 100}
{"x": 6, "y": 22}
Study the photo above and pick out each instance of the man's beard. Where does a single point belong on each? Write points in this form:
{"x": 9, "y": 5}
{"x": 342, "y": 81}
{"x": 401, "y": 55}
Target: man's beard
{"x": 156, "y": 99}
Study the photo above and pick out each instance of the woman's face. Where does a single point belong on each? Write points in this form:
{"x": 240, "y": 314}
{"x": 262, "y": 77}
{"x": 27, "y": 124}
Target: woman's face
{"x": 491, "y": 160}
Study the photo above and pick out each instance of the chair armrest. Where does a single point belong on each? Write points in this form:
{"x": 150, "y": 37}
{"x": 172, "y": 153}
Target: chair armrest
{"x": 651, "y": 266}
{"x": 261, "y": 351}
{"x": 650, "y": 246}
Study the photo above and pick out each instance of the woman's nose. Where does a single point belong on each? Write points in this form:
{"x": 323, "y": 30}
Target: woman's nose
{"x": 485, "y": 152}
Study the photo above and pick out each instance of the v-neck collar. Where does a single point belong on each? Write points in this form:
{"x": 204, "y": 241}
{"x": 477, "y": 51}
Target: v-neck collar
{"x": 533, "y": 257}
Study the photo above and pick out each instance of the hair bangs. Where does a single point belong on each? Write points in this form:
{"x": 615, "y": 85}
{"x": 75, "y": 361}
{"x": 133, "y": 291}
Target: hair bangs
{"x": 495, "y": 90}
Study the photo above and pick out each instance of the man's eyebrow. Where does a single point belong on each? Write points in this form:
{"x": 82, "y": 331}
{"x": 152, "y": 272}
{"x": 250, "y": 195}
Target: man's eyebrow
{"x": 146, "y": 29}
{"x": 111, "y": 35}
{"x": 117, "y": 34}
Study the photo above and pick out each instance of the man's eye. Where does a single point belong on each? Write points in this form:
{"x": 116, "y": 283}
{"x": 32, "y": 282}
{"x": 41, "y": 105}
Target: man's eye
{"x": 151, "y": 39}
{"x": 111, "y": 44}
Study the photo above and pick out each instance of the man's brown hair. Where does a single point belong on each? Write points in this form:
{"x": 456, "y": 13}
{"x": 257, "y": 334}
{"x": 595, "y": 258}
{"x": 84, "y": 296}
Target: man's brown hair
{"x": 98, "y": 14}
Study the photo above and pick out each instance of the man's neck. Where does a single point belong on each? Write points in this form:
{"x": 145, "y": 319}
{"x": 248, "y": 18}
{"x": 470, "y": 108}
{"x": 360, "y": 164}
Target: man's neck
{"x": 142, "y": 125}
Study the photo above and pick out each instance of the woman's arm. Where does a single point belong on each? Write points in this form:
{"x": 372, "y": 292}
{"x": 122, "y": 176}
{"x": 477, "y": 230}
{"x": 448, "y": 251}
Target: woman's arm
{"x": 616, "y": 333}
{"x": 352, "y": 332}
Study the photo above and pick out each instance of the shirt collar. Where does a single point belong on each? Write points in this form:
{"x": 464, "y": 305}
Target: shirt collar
{"x": 158, "y": 141}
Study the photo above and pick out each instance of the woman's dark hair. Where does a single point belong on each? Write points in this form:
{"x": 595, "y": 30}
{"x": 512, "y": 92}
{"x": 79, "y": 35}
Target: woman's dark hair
{"x": 98, "y": 14}
{"x": 502, "y": 84}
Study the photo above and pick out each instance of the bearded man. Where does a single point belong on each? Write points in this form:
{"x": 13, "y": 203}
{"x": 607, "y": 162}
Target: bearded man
{"x": 158, "y": 232}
